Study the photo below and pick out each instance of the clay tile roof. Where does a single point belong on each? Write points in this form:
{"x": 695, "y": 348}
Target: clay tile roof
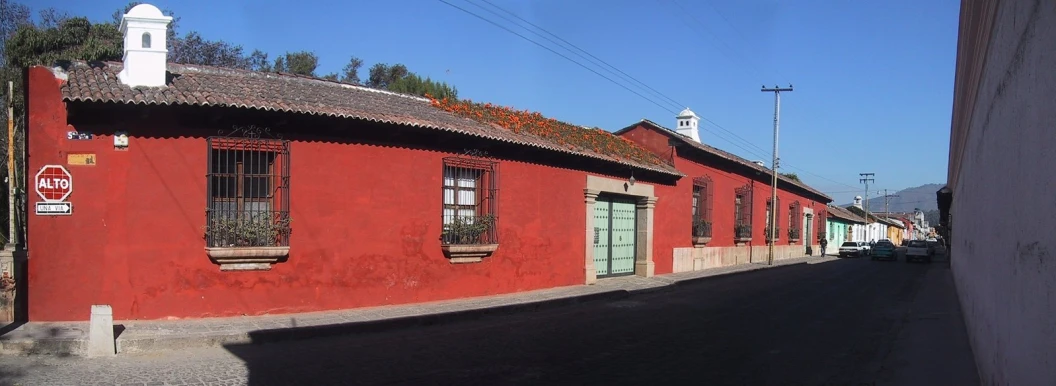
{"x": 224, "y": 87}
{"x": 724, "y": 154}
{"x": 845, "y": 215}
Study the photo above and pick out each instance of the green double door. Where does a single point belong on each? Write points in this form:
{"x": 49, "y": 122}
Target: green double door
{"x": 614, "y": 236}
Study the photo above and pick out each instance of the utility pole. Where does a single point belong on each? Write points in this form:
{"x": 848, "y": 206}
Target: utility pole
{"x": 773, "y": 178}
{"x": 886, "y": 198}
{"x": 866, "y": 178}
{"x": 11, "y": 166}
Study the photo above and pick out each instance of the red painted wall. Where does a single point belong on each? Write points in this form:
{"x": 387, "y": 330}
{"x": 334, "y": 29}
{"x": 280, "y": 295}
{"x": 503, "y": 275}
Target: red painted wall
{"x": 673, "y": 223}
{"x": 363, "y": 233}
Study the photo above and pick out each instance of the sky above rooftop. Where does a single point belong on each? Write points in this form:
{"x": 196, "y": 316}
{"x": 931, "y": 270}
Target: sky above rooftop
{"x": 873, "y": 80}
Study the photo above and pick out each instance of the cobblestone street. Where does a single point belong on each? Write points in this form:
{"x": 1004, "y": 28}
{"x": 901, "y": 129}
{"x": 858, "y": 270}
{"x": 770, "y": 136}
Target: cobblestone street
{"x": 830, "y": 323}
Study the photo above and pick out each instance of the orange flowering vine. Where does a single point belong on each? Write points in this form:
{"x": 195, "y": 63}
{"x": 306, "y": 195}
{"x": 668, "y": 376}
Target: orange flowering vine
{"x": 564, "y": 135}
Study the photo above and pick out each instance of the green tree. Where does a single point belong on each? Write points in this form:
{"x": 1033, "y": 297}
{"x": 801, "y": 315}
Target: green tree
{"x": 258, "y": 61}
{"x": 74, "y": 38}
{"x": 792, "y": 176}
{"x": 350, "y": 74}
{"x": 300, "y": 63}
{"x": 193, "y": 49}
{"x": 12, "y": 17}
{"x": 415, "y": 85}
{"x": 397, "y": 78}
{"x": 382, "y": 75}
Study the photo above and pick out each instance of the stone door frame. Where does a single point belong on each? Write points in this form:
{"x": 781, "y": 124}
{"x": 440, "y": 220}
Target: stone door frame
{"x": 808, "y": 226}
{"x": 645, "y": 203}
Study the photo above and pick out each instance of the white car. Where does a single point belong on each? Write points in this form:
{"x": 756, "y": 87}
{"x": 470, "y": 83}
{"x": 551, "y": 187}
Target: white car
{"x": 918, "y": 250}
{"x": 854, "y": 248}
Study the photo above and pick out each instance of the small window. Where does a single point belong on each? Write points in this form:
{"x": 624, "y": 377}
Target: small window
{"x": 773, "y": 213}
{"x": 702, "y": 204}
{"x": 742, "y": 213}
{"x": 248, "y": 190}
{"x": 470, "y": 199}
{"x": 146, "y": 40}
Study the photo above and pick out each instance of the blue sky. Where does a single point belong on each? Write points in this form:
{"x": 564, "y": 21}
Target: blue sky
{"x": 873, "y": 79}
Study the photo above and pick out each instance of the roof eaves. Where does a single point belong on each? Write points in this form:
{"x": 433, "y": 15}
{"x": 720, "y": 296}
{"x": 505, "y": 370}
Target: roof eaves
{"x": 181, "y": 69}
{"x": 723, "y": 154}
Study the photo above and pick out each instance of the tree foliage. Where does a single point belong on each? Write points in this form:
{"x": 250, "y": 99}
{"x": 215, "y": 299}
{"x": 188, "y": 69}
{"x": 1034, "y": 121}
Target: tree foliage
{"x": 792, "y": 176}
{"x": 414, "y": 84}
{"x": 300, "y": 63}
{"x": 398, "y": 79}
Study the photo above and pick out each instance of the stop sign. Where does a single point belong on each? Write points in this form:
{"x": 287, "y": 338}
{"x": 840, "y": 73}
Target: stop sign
{"x": 54, "y": 183}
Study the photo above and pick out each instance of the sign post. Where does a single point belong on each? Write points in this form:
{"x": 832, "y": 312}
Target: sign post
{"x": 53, "y": 184}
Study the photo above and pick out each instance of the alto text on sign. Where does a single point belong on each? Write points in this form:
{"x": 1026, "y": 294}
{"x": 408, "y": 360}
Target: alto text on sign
{"x": 54, "y": 183}
{"x": 54, "y": 208}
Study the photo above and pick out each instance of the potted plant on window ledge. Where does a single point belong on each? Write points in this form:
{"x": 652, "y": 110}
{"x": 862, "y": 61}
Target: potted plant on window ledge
{"x": 246, "y": 242}
{"x": 701, "y": 232}
{"x": 769, "y": 237}
{"x": 742, "y": 233}
{"x": 462, "y": 241}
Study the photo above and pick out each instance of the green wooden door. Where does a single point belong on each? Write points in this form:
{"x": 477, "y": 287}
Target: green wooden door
{"x": 601, "y": 236}
{"x": 615, "y": 228}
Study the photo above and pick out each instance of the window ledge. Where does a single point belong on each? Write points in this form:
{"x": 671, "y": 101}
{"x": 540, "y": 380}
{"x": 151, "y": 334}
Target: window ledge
{"x": 701, "y": 241}
{"x": 468, "y": 253}
{"x": 247, "y": 258}
{"x": 742, "y": 240}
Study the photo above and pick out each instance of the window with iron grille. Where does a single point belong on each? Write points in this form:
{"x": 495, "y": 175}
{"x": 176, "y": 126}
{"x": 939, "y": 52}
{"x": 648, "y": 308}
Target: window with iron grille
{"x": 822, "y": 216}
{"x": 248, "y": 192}
{"x": 742, "y": 215}
{"x": 470, "y": 199}
{"x": 773, "y": 213}
{"x": 702, "y": 203}
{"x": 795, "y": 221}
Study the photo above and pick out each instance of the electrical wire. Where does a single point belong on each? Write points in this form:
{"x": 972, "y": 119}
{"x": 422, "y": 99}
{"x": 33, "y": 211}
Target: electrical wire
{"x": 624, "y": 77}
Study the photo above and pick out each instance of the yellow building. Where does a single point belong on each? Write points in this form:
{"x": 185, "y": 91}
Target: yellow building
{"x": 896, "y": 230}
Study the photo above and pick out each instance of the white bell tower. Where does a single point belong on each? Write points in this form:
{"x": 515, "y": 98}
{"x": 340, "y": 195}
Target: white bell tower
{"x": 146, "y": 54}
{"x": 687, "y": 124}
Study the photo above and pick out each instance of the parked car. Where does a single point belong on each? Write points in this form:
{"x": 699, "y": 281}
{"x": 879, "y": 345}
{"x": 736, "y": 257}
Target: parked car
{"x": 854, "y": 248}
{"x": 919, "y": 250}
{"x": 884, "y": 249}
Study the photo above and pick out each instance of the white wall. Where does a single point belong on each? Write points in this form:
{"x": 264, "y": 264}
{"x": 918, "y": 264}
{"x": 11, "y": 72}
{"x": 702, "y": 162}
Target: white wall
{"x": 1003, "y": 213}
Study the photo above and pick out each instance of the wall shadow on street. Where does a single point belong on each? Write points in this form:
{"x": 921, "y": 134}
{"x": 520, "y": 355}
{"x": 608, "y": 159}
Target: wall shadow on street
{"x": 10, "y": 375}
{"x": 804, "y": 323}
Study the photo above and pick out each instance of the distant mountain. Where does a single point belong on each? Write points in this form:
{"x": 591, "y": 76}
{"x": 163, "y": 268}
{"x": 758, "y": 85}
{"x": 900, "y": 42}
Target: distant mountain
{"x": 921, "y": 197}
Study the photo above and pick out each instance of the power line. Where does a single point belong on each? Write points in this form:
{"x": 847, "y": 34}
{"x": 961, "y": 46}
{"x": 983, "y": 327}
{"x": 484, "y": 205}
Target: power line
{"x": 626, "y": 75}
{"x": 760, "y": 152}
{"x": 741, "y": 35}
{"x": 596, "y": 73}
{"x": 598, "y": 60}
{"x": 558, "y": 54}
{"x": 702, "y": 25}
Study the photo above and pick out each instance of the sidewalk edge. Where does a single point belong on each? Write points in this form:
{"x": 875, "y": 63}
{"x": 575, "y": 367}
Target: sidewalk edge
{"x": 223, "y": 338}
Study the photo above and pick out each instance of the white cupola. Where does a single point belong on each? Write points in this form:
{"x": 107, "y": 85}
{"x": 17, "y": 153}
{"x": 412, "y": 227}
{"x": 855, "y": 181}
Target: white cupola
{"x": 687, "y": 124}
{"x": 858, "y": 202}
{"x": 145, "y": 29}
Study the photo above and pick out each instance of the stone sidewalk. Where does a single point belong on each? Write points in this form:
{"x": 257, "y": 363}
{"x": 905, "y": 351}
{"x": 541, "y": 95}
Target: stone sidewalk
{"x": 70, "y": 338}
{"x": 932, "y": 345}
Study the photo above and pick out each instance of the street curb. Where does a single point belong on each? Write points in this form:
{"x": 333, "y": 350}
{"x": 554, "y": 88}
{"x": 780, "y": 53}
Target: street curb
{"x": 350, "y": 328}
{"x": 696, "y": 280}
{"x": 144, "y": 344}
{"x": 382, "y": 325}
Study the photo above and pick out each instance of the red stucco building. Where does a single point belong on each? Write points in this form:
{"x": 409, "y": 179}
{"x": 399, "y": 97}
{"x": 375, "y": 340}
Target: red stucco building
{"x": 197, "y": 191}
{"x": 717, "y": 214}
